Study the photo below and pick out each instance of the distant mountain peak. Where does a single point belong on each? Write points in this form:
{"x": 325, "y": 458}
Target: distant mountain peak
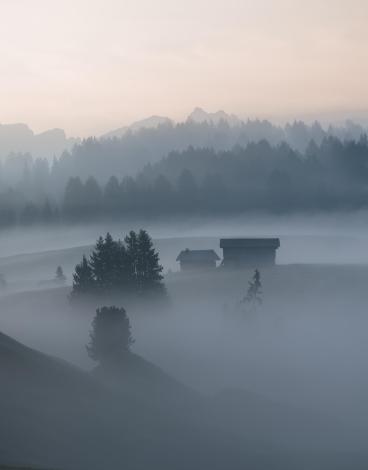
{"x": 199, "y": 115}
{"x": 19, "y": 138}
{"x": 151, "y": 122}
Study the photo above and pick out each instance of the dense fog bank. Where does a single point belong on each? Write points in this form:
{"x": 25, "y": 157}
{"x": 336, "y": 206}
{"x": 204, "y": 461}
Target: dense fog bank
{"x": 291, "y": 372}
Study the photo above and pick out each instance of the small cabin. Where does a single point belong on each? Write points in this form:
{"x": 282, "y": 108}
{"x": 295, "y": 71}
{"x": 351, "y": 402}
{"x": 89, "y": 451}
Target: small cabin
{"x": 197, "y": 259}
{"x": 249, "y": 252}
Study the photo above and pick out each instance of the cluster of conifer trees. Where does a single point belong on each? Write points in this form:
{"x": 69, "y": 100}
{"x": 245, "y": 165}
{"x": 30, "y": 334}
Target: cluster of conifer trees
{"x": 116, "y": 266}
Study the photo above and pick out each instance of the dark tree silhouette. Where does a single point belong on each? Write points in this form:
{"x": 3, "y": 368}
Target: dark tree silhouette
{"x": 101, "y": 262}
{"x": 115, "y": 267}
{"x": 149, "y": 269}
{"x": 144, "y": 264}
{"x": 30, "y": 214}
{"x": 48, "y": 213}
{"x": 109, "y": 264}
{"x": 187, "y": 190}
{"x": 59, "y": 275}
{"x": 253, "y": 297}
{"x": 131, "y": 244}
{"x": 73, "y": 198}
{"x": 83, "y": 280}
{"x": 111, "y": 336}
{"x": 92, "y": 196}
{"x": 112, "y": 195}
{"x": 214, "y": 169}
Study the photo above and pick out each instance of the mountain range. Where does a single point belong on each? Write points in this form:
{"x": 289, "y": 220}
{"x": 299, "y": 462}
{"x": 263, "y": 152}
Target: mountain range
{"x": 19, "y": 138}
{"x": 148, "y": 123}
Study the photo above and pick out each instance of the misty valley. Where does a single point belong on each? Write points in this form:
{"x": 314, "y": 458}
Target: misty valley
{"x": 183, "y": 235}
{"x": 115, "y": 351}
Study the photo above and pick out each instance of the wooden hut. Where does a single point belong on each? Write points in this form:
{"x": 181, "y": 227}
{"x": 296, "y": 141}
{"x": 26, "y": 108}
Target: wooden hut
{"x": 197, "y": 259}
{"x": 249, "y": 252}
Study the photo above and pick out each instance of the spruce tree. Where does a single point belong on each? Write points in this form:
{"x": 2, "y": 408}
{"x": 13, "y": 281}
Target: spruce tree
{"x": 97, "y": 263}
{"x": 102, "y": 262}
{"x": 59, "y": 275}
{"x": 111, "y": 336}
{"x": 83, "y": 280}
{"x": 253, "y": 297}
{"x": 122, "y": 278}
{"x": 111, "y": 263}
{"x": 131, "y": 250}
{"x": 148, "y": 269}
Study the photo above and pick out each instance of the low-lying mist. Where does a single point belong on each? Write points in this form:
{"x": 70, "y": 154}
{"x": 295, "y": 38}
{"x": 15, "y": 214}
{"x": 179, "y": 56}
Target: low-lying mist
{"x": 304, "y": 347}
{"x": 306, "y": 344}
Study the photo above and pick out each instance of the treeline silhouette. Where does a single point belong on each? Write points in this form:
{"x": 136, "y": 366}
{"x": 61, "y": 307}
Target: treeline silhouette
{"x": 258, "y": 177}
{"x": 129, "y": 153}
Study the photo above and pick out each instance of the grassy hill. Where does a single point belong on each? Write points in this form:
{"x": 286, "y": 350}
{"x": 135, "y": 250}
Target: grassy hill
{"x": 53, "y": 415}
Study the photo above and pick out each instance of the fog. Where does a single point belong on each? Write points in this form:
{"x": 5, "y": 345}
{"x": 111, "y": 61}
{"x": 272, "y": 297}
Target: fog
{"x": 132, "y": 335}
{"x": 296, "y": 368}
{"x": 332, "y": 237}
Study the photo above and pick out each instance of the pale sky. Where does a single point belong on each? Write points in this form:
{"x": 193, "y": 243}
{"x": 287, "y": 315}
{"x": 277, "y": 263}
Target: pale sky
{"x": 89, "y": 66}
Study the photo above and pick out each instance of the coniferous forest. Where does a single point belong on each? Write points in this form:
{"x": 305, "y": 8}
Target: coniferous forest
{"x": 258, "y": 177}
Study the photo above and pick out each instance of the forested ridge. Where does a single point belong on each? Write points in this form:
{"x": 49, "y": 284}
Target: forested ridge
{"x": 256, "y": 176}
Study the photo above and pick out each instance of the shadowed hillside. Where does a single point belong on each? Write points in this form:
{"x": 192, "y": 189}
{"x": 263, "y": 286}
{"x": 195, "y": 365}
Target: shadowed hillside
{"x": 56, "y": 416}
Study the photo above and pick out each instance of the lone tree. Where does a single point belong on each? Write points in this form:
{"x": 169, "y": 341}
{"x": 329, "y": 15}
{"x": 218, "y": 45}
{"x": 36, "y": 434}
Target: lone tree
{"x": 59, "y": 275}
{"x": 83, "y": 280}
{"x": 111, "y": 336}
{"x": 254, "y": 292}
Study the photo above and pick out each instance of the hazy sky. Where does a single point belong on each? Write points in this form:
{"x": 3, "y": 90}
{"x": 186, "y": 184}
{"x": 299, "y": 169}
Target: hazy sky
{"x": 92, "y": 65}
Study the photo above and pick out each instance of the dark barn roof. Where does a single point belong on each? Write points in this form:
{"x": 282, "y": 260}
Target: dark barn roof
{"x": 250, "y": 243}
{"x": 197, "y": 256}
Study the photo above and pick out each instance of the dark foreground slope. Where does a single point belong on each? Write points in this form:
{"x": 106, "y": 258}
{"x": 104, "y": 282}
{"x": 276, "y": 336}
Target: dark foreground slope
{"x": 53, "y": 415}
{"x": 56, "y": 416}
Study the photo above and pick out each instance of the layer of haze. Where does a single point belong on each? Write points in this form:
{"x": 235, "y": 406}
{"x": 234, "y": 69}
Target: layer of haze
{"x": 91, "y": 65}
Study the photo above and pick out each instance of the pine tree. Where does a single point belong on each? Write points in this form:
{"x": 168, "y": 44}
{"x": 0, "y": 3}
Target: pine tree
{"x": 254, "y": 293}
{"x": 111, "y": 336}
{"x": 74, "y": 200}
{"x": 59, "y": 275}
{"x": 131, "y": 247}
{"x": 97, "y": 263}
{"x": 47, "y": 212}
{"x": 101, "y": 260}
{"x": 92, "y": 197}
{"x": 110, "y": 265}
{"x": 83, "y": 280}
{"x": 112, "y": 195}
{"x": 148, "y": 269}
{"x": 122, "y": 279}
